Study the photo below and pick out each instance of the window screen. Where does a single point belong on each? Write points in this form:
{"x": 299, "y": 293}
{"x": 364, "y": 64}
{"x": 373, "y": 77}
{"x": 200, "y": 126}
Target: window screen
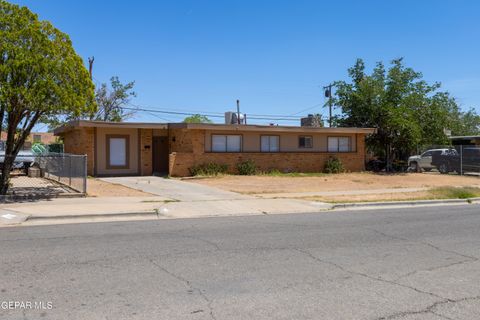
{"x": 118, "y": 152}
{"x": 219, "y": 143}
{"x": 226, "y": 143}
{"x": 234, "y": 143}
{"x": 339, "y": 144}
{"x": 270, "y": 143}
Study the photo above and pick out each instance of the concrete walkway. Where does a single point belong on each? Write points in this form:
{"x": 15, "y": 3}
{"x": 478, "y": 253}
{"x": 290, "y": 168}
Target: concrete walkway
{"x": 176, "y": 190}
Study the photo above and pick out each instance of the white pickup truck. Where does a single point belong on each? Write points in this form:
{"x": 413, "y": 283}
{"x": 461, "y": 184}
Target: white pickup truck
{"x": 24, "y": 159}
{"x": 423, "y": 161}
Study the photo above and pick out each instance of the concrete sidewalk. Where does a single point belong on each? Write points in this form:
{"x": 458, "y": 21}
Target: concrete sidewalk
{"x": 148, "y": 207}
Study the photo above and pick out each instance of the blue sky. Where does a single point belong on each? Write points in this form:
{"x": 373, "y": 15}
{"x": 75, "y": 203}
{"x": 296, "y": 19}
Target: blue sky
{"x": 272, "y": 55}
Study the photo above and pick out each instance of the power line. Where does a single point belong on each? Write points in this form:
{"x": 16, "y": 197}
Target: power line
{"x": 210, "y": 113}
{"x": 308, "y": 109}
{"x": 254, "y": 117}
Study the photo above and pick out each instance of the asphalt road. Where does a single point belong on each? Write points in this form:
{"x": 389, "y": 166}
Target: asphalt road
{"x": 420, "y": 263}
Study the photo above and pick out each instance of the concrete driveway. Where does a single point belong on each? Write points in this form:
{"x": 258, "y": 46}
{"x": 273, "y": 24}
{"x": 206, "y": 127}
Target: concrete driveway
{"x": 175, "y": 189}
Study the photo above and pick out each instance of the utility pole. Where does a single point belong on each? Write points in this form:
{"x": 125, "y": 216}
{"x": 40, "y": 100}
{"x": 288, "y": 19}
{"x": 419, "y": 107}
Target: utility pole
{"x": 328, "y": 94}
{"x": 90, "y": 66}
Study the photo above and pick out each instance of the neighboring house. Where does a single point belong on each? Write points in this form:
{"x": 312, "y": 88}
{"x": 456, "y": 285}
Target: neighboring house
{"x": 34, "y": 137}
{"x": 116, "y": 149}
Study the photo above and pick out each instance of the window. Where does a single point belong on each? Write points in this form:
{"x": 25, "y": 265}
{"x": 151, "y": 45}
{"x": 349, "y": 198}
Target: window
{"x": 339, "y": 144}
{"x": 226, "y": 143}
{"x": 37, "y": 138}
{"x": 305, "y": 142}
{"x": 117, "y": 151}
{"x": 270, "y": 143}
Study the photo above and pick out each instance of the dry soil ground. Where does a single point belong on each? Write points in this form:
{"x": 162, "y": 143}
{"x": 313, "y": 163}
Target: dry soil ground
{"x": 98, "y": 188}
{"x": 342, "y": 182}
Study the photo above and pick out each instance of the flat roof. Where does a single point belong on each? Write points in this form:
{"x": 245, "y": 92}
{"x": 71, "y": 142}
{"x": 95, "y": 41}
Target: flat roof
{"x": 254, "y": 127}
{"x": 208, "y": 126}
{"x": 105, "y": 124}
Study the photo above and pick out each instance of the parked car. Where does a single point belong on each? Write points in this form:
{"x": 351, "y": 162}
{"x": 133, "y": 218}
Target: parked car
{"x": 424, "y": 161}
{"x": 24, "y": 159}
{"x": 375, "y": 165}
{"x": 452, "y": 160}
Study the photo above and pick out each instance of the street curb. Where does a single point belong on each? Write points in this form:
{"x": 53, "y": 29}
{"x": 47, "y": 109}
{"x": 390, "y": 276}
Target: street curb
{"x": 408, "y": 203}
{"x": 146, "y": 214}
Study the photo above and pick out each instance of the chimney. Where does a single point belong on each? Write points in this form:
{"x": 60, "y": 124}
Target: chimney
{"x": 312, "y": 120}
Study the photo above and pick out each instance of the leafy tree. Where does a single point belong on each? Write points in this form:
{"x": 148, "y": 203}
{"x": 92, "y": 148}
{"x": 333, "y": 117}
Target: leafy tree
{"x": 466, "y": 124}
{"x": 41, "y": 79}
{"x": 404, "y": 108}
{"x": 111, "y": 101}
{"x": 197, "y": 118}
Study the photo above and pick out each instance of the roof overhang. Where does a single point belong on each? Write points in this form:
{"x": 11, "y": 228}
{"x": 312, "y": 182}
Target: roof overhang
{"x": 206, "y": 126}
{"x": 103, "y": 124}
{"x": 234, "y": 127}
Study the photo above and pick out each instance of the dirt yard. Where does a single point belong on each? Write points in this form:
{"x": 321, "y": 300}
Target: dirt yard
{"x": 98, "y": 188}
{"x": 339, "y": 182}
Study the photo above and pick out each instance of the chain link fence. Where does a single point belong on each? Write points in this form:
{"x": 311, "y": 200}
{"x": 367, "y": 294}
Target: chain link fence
{"x": 48, "y": 174}
{"x": 459, "y": 159}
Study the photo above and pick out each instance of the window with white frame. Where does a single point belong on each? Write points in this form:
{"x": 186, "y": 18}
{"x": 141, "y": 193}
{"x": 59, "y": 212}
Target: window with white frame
{"x": 226, "y": 143}
{"x": 270, "y": 143}
{"x": 339, "y": 144}
{"x": 117, "y": 151}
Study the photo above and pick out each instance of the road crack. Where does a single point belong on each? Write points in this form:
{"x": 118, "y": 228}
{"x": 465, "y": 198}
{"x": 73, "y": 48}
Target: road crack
{"x": 467, "y": 258}
{"x": 429, "y": 309}
{"x": 189, "y": 285}
{"x": 425, "y": 244}
{"x": 340, "y": 267}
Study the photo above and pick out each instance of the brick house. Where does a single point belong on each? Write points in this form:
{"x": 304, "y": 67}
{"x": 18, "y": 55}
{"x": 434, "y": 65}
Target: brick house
{"x": 34, "y": 137}
{"x": 116, "y": 149}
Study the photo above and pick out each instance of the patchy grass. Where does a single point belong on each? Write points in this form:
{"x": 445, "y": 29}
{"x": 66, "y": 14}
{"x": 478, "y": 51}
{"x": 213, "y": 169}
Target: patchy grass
{"x": 455, "y": 192}
{"x": 292, "y": 174}
{"x": 432, "y": 194}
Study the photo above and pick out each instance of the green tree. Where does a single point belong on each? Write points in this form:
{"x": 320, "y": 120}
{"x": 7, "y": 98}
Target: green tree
{"x": 197, "y": 118}
{"x": 41, "y": 79}
{"x": 111, "y": 102}
{"x": 466, "y": 124}
{"x": 404, "y": 108}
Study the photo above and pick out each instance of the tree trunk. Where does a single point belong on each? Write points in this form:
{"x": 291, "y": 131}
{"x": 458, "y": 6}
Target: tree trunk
{"x": 12, "y": 147}
{"x": 8, "y": 159}
{"x": 388, "y": 158}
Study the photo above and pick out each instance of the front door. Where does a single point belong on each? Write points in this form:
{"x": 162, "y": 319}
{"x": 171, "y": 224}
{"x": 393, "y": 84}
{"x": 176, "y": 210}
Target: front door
{"x": 160, "y": 155}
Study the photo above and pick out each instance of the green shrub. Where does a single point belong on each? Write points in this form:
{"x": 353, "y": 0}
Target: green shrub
{"x": 208, "y": 169}
{"x": 247, "y": 168}
{"x": 333, "y": 165}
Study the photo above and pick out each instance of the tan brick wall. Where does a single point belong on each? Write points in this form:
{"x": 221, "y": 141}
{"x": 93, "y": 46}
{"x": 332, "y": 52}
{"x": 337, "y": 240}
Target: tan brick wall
{"x": 180, "y": 162}
{"x": 81, "y": 141}
{"x": 183, "y": 140}
{"x": 146, "y": 146}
